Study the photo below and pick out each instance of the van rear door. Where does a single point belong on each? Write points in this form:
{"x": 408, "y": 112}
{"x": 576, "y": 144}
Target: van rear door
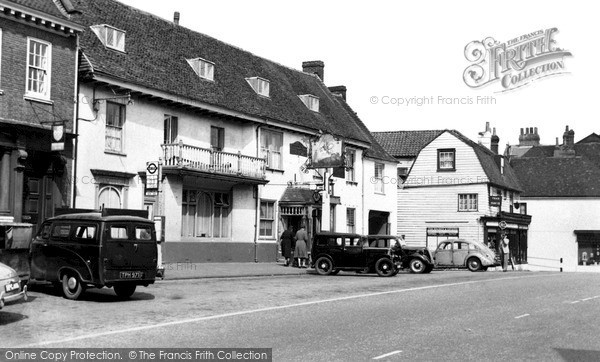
{"x": 130, "y": 252}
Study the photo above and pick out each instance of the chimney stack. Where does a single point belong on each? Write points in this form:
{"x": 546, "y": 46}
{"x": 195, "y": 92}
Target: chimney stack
{"x": 568, "y": 137}
{"x": 176, "y": 18}
{"x": 495, "y": 142}
{"x": 485, "y": 137}
{"x": 529, "y": 137}
{"x": 339, "y": 90}
{"x": 314, "y": 67}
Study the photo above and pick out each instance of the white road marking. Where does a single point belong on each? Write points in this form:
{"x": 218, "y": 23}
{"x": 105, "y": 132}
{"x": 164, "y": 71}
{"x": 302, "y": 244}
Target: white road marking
{"x": 387, "y": 355}
{"x": 576, "y": 301}
{"x": 521, "y": 316}
{"x": 584, "y": 299}
{"x": 267, "y": 309}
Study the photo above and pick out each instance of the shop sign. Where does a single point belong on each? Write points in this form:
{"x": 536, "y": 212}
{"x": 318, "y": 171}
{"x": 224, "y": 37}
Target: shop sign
{"x": 441, "y": 231}
{"x": 496, "y": 201}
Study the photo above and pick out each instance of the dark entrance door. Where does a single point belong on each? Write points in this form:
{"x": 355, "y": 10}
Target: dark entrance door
{"x": 38, "y": 199}
{"x": 379, "y": 223}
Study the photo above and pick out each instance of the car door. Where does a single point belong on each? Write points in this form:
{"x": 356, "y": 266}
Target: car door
{"x": 443, "y": 254}
{"x": 353, "y": 253}
{"x": 460, "y": 251}
{"x": 39, "y": 247}
{"x": 336, "y": 250}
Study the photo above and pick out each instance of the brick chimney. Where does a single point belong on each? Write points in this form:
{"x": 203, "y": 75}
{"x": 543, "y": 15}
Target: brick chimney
{"x": 485, "y": 137}
{"x": 529, "y": 137}
{"x": 568, "y": 137}
{"x": 176, "y": 18}
{"x": 495, "y": 142}
{"x": 339, "y": 90}
{"x": 314, "y": 67}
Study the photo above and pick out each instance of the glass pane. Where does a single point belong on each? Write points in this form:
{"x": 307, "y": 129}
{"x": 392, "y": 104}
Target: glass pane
{"x": 85, "y": 232}
{"x": 61, "y": 231}
{"x": 118, "y": 232}
{"x": 143, "y": 233}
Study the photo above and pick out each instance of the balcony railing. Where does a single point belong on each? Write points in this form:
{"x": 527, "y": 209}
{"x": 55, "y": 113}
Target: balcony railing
{"x": 207, "y": 160}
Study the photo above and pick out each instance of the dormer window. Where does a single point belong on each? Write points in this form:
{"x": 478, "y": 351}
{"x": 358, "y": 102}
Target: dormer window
{"x": 110, "y": 36}
{"x": 260, "y": 85}
{"x": 203, "y": 68}
{"x": 310, "y": 101}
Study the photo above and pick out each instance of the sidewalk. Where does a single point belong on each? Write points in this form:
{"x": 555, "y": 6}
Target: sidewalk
{"x": 178, "y": 271}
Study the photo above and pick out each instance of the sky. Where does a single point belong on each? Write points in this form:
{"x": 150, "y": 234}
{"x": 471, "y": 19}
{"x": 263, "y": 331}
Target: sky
{"x": 388, "y": 52}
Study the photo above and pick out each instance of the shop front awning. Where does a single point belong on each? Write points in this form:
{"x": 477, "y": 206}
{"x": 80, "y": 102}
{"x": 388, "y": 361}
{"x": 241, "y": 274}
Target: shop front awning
{"x": 588, "y": 236}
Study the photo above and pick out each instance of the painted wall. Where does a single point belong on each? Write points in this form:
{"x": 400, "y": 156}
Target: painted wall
{"x": 551, "y": 233}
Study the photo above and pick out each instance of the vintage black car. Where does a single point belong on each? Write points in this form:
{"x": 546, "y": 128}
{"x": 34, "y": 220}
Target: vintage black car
{"x": 416, "y": 259}
{"x": 79, "y": 250}
{"x": 332, "y": 252}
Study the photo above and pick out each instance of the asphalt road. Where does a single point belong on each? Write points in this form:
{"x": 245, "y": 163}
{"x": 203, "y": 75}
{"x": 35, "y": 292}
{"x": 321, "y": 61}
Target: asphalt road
{"x": 450, "y": 315}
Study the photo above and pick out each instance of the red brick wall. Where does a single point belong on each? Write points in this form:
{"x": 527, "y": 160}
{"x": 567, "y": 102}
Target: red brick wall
{"x": 13, "y": 75}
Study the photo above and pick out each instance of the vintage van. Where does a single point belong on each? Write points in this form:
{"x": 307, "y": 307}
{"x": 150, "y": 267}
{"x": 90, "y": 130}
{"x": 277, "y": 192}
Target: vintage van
{"x": 95, "y": 249}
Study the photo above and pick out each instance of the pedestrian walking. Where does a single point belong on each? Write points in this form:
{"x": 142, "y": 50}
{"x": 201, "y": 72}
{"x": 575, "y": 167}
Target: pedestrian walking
{"x": 287, "y": 239}
{"x": 505, "y": 251}
{"x": 300, "y": 252}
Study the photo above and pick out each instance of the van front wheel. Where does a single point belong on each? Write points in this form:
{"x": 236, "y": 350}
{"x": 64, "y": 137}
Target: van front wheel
{"x": 124, "y": 290}
{"x": 71, "y": 286}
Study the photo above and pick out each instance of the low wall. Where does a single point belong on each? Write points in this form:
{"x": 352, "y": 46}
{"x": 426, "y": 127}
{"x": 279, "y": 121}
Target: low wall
{"x": 207, "y": 252}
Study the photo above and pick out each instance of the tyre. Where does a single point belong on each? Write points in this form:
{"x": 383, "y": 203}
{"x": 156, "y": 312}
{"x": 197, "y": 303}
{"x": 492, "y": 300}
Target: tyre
{"x": 385, "y": 268}
{"x": 417, "y": 266}
{"x": 71, "y": 286}
{"x": 324, "y": 266}
{"x": 124, "y": 290}
{"x": 473, "y": 264}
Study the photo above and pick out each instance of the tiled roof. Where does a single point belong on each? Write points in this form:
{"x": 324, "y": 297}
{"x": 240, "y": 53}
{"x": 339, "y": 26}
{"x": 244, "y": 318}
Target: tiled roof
{"x": 47, "y": 6}
{"x": 593, "y": 138}
{"x": 543, "y": 175}
{"x": 410, "y": 143}
{"x": 155, "y": 57}
{"x": 296, "y": 195}
{"x": 405, "y": 143}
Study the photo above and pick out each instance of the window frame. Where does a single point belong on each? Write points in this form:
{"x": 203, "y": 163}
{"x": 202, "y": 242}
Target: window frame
{"x": 350, "y": 159}
{"x": 115, "y": 31}
{"x": 273, "y": 204}
{"x": 47, "y": 70}
{"x": 220, "y": 138}
{"x": 310, "y": 101}
{"x": 266, "y": 151}
{"x": 171, "y": 129}
{"x": 351, "y": 220}
{"x": 260, "y": 85}
{"x": 197, "y": 66}
{"x": 123, "y": 117}
{"x": 439, "y": 160}
{"x": 379, "y": 187}
{"x": 468, "y": 202}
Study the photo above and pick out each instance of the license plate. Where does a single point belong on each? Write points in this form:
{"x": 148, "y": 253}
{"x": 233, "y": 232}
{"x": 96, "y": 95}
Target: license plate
{"x": 132, "y": 275}
{"x": 12, "y": 286}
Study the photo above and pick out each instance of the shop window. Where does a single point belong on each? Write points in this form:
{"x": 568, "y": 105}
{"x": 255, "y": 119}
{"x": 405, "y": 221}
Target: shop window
{"x": 267, "y": 218}
{"x": 205, "y": 214}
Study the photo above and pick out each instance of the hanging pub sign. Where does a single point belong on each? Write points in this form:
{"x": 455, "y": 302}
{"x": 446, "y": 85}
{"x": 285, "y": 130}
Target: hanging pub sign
{"x": 496, "y": 201}
{"x": 152, "y": 178}
{"x": 58, "y": 137}
{"x": 326, "y": 152}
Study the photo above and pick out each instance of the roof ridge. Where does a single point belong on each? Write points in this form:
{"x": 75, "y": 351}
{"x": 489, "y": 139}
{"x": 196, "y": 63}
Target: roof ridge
{"x": 213, "y": 38}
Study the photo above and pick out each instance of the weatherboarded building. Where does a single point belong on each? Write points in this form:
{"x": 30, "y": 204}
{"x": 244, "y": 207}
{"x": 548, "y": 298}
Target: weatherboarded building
{"x": 452, "y": 187}
{"x": 229, "y": 132}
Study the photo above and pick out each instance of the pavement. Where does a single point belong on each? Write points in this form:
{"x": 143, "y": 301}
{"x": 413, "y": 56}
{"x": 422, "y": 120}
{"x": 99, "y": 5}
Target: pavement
{"x": 186, "y": 270}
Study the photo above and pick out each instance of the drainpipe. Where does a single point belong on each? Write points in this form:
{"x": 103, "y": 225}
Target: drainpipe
{"x": 257, "y": 205}
{"x": 362, "y": 196}
{"x": 75, "y": 130}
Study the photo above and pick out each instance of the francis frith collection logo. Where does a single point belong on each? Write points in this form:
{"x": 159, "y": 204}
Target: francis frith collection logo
{"x": 514, "y": 63}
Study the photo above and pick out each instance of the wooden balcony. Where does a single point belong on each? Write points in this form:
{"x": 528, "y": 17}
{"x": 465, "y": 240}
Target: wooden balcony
{"x": 206, "y": 160}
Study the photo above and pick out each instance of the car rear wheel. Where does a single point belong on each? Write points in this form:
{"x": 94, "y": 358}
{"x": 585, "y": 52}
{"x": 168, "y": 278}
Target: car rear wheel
{"x": 417, "y": 266}
{"x": 71, "y": 286}
{"x": 324, "y": 266}
{"x": 473, "y": 264}
{"x": 385, "y": 268}
{"x": 124, "y": 290}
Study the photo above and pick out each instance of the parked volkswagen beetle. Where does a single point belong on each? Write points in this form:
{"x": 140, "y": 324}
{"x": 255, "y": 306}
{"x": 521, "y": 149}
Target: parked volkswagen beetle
{"x": 460, "y": 253}
{"x": 10, "y": 286}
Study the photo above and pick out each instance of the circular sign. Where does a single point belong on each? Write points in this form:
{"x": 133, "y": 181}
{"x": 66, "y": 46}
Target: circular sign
{"x": 316, "y": 196}
{"x": 502, "y": 224}
{"x": 151, "y": 168}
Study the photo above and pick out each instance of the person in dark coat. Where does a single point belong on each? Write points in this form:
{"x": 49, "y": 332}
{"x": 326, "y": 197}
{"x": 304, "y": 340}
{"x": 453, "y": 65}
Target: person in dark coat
{"x": 287, "y": 239}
